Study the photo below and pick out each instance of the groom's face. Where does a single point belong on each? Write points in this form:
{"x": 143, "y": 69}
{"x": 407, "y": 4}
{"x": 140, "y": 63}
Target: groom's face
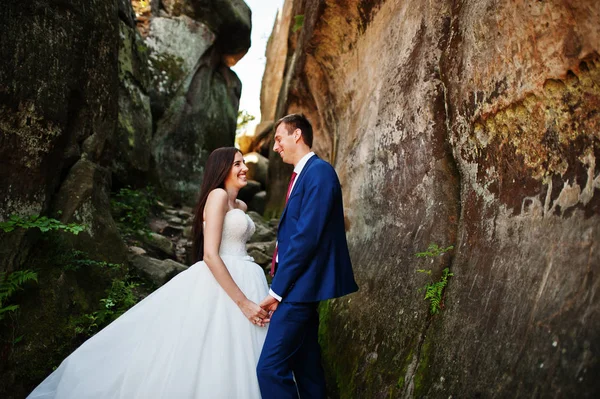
{"x": 286, "y": 142}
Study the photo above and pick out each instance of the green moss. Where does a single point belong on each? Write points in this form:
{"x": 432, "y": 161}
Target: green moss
{"x": 400, "y": 384}
{"x": 404, "y": 370}
{"x": 423, "y": 369}
{"x": 141, "y": 48}
{"x": 126, "y": 124}
{"x": 342, "y": 366}
{"x": 125, "y": 51}
{"x": 168, "y": 71}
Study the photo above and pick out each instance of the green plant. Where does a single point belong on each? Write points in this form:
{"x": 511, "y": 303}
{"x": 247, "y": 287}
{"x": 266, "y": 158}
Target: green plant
{"x": 132, "y": 208}
{"x": 434, "y": 290}
{"x": 43, "y": 223}
{"x": 74, "y": 260}
{"x": 298, "y": 22}
{"x": 243, "y": 118}
{"x": 433, "y": 251}
{"x": 119, "y": 297}
{"x": 11, "y": 283}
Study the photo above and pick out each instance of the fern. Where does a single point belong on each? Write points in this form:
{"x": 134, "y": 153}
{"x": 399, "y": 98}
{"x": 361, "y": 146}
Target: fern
{"x": 433, "y": 250}
{"x": 120, "y": 297}
{"x": 434, "y": 291}
{"x": 43, "y": 223}
{"x": 74, "y": 260}
{"x": 11, "y": 283}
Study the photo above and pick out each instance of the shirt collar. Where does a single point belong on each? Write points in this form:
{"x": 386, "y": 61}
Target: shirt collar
{"x": 300, "y": 165}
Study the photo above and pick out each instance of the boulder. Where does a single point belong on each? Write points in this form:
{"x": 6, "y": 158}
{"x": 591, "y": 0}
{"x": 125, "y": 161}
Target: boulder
{"x": 137, "y": 250}
{"x": 260, "y": 258}
{"x": 157, "y": 271}
{"x": 274, "y": 223}
{"x": 128, "y": 149}
{"x": 262, "y": 141}
{"x": 159, "y": 243}
{"x": 83, "y": 198}
{"x": 263, "y": 231}
{"x": 175, "y": 47}
{"x": 262, "y": 252}
{"x": 157, "y": 225}
{"x": 229, "y": 19}
{"x": 258, "y": 203}
{"x": 173, "y": 231}
{"x": 249, "y": 191}
{"x": 175, "y": 220}
{"x": 201, "y": 117}
{"x": 258, "y": 167}
{"x": 178, "y": 267}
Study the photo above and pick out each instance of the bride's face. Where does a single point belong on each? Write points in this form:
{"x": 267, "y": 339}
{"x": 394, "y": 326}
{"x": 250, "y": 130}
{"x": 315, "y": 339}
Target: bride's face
{"x": 237, "y": 174}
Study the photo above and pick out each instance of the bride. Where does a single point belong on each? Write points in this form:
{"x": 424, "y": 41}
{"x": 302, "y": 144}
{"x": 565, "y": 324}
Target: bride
{"x": 198, "y": 336}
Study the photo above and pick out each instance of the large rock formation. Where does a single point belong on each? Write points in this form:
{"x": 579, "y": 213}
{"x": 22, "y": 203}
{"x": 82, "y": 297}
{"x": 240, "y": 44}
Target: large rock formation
{"x": 58, "y": 101}
{"x": 473, "y": 124}
{"x": 276, "y": 52}
{"x": 76, "y": 115}
{"x": 190, "y": 130}
{"x": 128, "y": 148}
{"x": 84, "y": 198}
{"x": 58, "y": 104}
{"x": 279, "y": 57}
{"x": 197, "y": 95}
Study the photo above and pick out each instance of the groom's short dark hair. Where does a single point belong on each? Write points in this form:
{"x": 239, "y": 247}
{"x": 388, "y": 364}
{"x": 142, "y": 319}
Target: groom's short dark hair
{"x": 298, "y": 121}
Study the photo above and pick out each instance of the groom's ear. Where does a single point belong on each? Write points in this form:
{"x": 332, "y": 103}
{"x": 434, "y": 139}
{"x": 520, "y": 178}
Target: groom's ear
{"x": 297, "y": 134}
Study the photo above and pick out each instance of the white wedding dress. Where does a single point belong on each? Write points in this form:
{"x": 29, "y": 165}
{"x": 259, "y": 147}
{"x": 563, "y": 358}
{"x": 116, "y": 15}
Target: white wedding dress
{"x": 187, "y": 339}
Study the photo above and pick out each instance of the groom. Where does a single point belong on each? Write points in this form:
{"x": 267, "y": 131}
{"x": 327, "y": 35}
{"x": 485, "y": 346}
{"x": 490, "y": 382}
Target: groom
{"x": 313, "y": 264}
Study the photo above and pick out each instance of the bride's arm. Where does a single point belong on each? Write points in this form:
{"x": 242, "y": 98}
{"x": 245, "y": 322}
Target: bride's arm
{"x": 214, "y": 211}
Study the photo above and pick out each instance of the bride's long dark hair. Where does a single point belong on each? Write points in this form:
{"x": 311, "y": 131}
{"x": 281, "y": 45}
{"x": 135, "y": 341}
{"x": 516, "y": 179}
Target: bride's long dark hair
{"x": 218, "y": 166}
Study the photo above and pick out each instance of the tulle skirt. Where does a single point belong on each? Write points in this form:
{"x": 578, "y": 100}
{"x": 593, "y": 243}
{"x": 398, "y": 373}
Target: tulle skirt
{"x": 187, "y": 339}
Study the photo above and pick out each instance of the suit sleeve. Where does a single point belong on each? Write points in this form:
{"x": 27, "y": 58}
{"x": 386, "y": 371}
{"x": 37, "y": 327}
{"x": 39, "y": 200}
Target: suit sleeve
{"x": 317, "y": 203}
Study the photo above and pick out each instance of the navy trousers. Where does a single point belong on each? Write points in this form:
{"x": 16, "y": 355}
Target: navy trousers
{"x": 292, "y": 351}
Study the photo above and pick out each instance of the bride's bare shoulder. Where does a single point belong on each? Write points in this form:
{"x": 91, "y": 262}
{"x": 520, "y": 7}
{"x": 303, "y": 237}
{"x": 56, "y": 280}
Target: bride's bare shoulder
{"x": 216, "y": 197}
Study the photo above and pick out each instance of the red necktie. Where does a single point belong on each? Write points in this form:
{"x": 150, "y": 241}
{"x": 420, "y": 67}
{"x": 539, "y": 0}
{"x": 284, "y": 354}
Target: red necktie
{"x": 294, "y": 174}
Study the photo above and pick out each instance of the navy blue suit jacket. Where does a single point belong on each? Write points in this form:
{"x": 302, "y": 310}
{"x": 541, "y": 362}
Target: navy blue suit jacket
{"x": 314, "y": 263}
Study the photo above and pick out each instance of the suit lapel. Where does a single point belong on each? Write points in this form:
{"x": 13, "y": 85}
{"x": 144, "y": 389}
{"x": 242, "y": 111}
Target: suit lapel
{"x": 296, "y": 189}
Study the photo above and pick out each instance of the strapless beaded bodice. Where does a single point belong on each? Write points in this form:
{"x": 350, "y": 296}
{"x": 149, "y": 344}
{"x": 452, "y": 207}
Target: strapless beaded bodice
{"x": 238, "y": 227}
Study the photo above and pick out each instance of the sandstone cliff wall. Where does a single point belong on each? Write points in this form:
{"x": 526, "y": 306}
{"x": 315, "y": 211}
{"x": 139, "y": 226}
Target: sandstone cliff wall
{"x": 471, "y": 124}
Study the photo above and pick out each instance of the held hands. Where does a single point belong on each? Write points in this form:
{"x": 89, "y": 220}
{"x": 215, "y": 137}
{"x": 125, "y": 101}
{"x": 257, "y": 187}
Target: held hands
{"x": 269, "y": 304}
{"x": 254, "y": 313}
{"x": 259, "y": 314}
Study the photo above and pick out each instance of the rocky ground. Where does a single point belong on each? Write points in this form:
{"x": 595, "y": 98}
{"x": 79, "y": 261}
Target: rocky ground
{"x": 165, "y": 250}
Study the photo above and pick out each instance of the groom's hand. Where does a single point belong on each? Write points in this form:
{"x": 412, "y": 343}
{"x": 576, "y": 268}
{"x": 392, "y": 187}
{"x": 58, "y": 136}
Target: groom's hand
{"x": 269, "y": 304}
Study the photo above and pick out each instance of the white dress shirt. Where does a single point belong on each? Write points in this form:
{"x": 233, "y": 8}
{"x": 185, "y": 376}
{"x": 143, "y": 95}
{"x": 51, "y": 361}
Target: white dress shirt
{"x": 297, "y": 169}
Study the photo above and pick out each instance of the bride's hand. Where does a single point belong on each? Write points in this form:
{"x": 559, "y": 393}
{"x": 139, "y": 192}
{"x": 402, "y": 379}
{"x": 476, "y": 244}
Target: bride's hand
{"x": 254, "y": 313}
